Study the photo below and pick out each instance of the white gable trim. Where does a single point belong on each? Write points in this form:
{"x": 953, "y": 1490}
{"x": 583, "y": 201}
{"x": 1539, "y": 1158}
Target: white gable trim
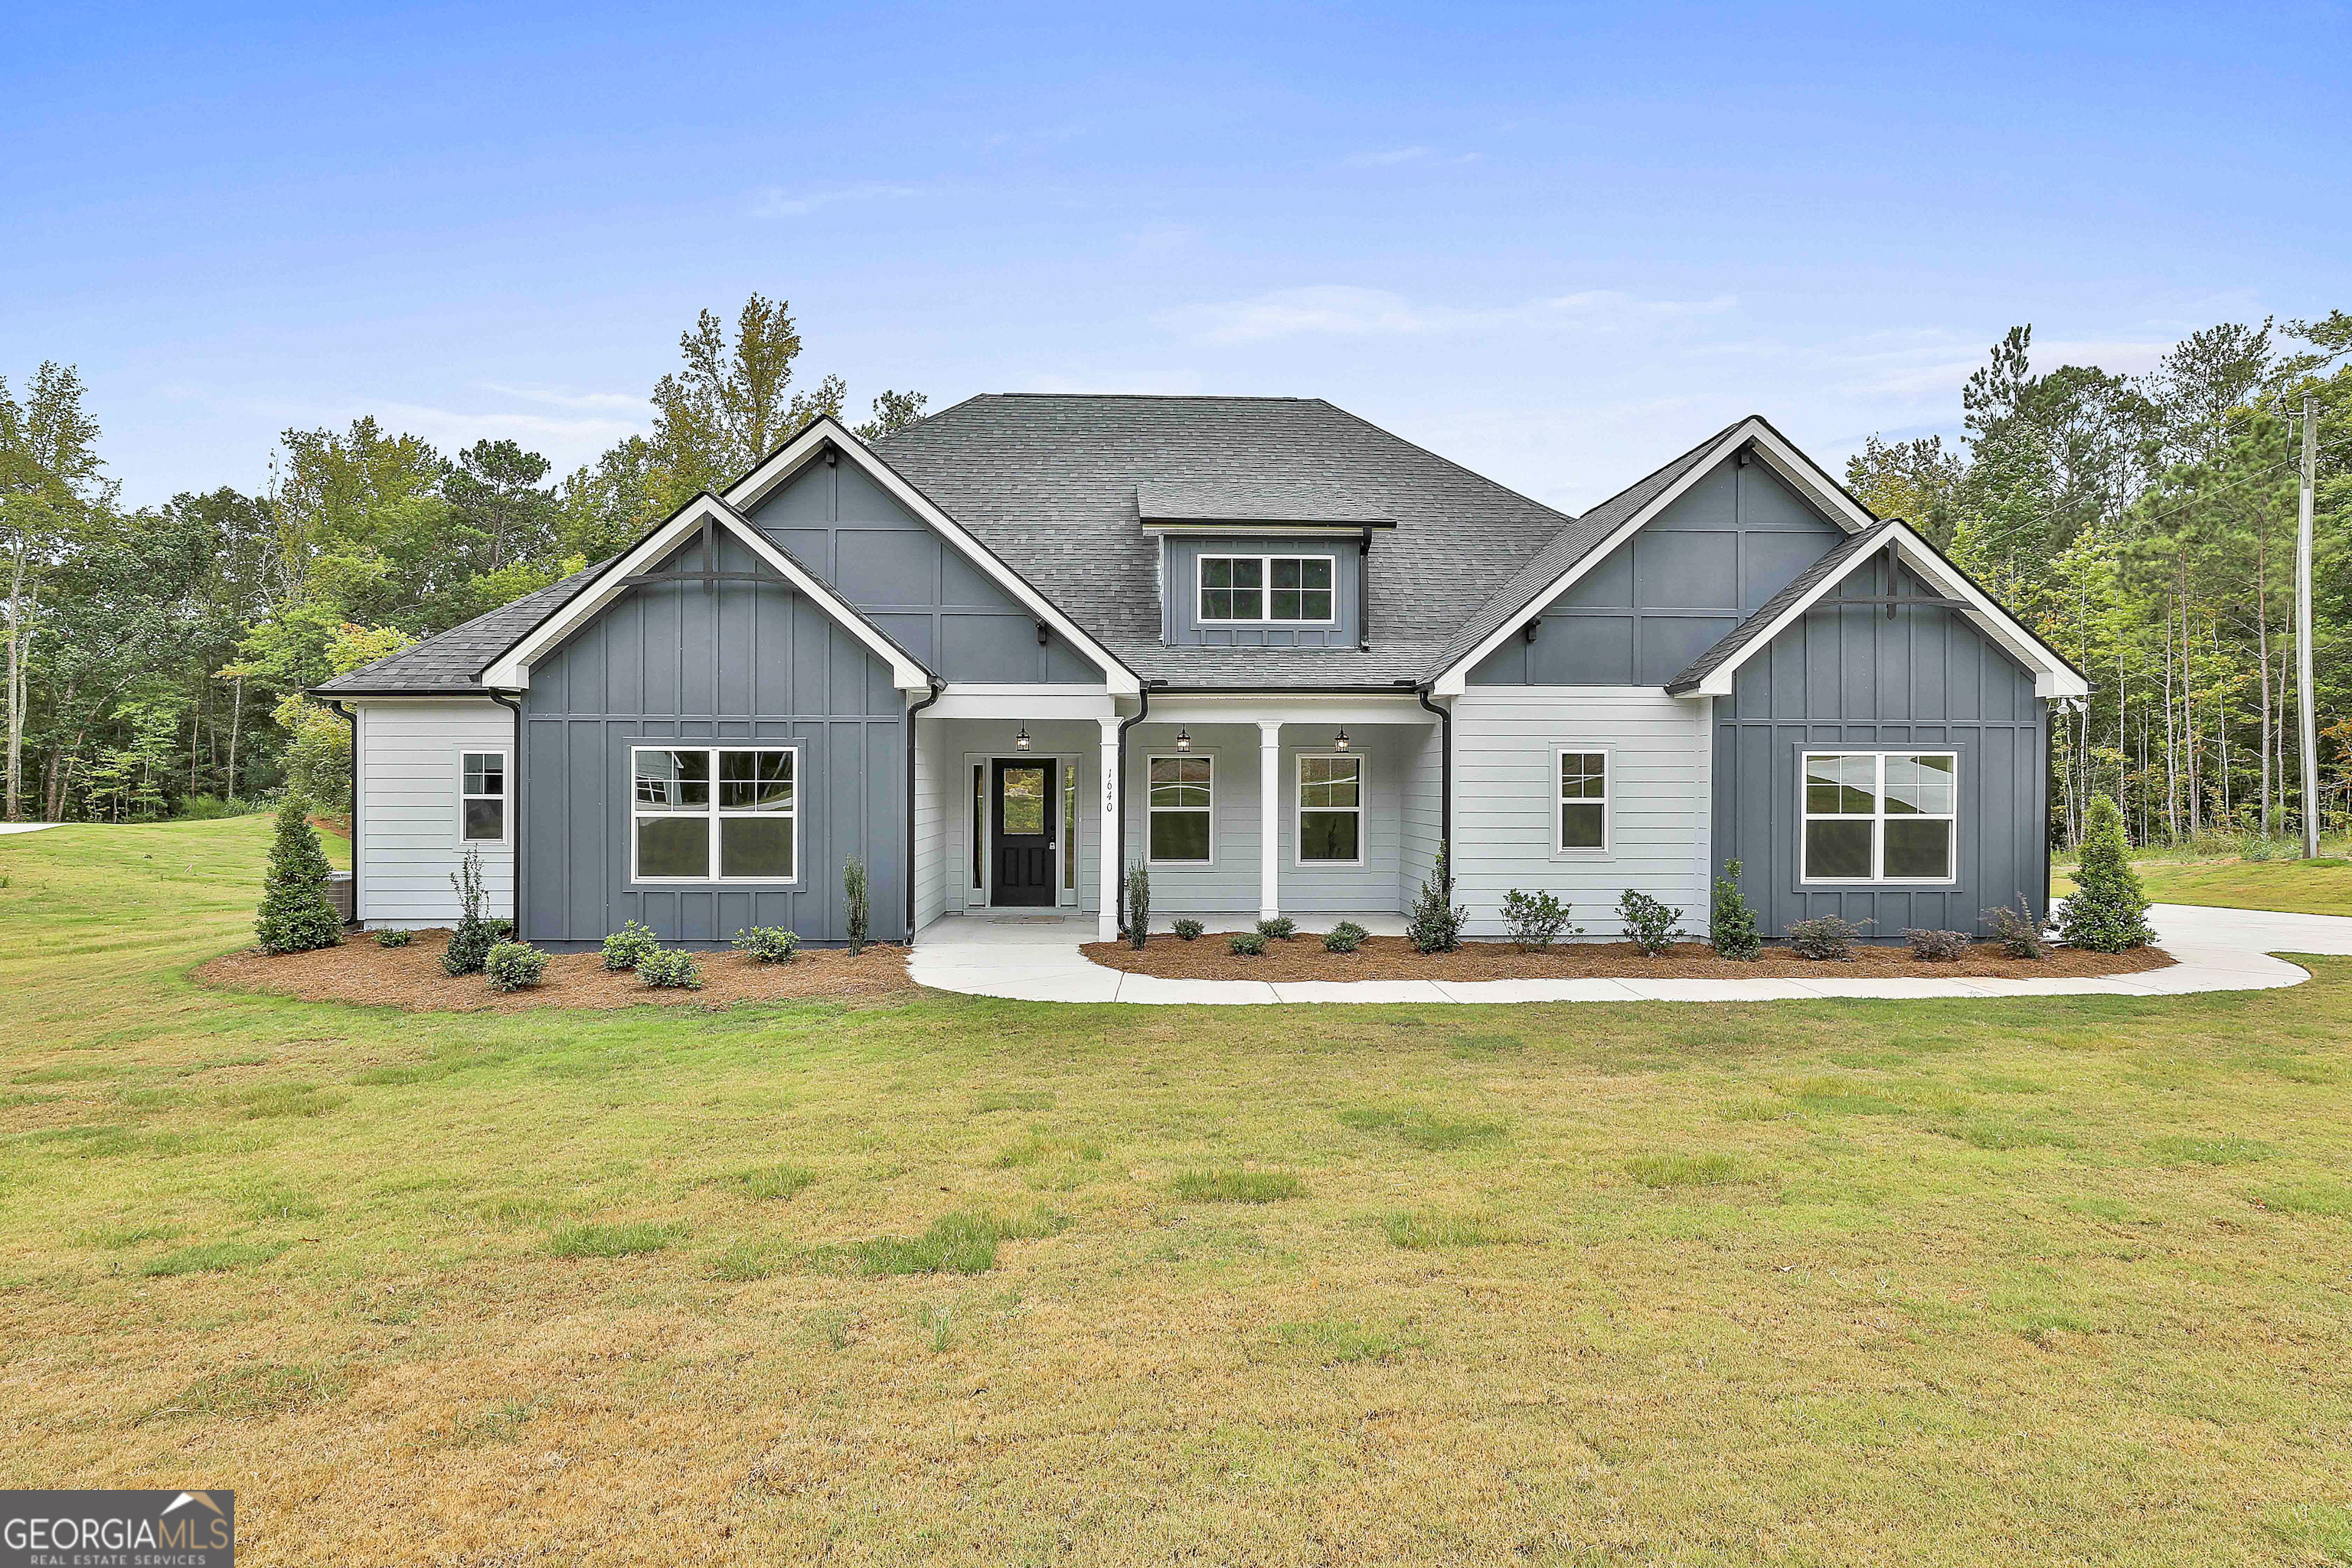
{"x": 1784, "y": 459}
{"x": 795, "y": 454}
{"x": 2052, "y": 677}
{"x": 511, "y": 669}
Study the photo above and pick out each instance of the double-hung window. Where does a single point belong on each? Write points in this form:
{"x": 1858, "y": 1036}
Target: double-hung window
{"x": 1183, "y": 809}
{"x": 715, "y": 814}
{"x": 1879, "y": 816}
{"x": 1259, "y": 590}
{"x": 1583, "y": 802}
{"x": 1331, "y": 830}
{"x": 482, "y": 797}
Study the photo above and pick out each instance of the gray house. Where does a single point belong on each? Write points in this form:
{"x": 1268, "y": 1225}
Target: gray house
{"x": 1273, "y": 652}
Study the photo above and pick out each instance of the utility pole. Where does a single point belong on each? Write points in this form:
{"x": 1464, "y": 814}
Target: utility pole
{"x": 2303, "y": 629}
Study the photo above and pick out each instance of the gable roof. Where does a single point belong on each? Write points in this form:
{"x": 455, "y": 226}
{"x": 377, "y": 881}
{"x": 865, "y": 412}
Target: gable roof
{"x": 1051, "y": 483}
{"x": 450, "y": 663}
{"x": 1711, "y": 673}
{"x": 1580, "y": 548}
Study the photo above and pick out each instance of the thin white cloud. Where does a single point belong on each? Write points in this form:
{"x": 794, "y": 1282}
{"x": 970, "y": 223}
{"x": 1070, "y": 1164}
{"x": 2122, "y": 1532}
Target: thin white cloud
{"x": 774, "y": 201}
{"x": 1344, "y": 310}
{"x": 558, "y": 398}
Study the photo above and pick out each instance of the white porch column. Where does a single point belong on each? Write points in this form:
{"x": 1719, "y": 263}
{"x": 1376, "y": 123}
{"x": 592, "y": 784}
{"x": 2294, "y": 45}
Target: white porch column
{"x": 1113, "y": 873}
{"x": 1269, "y": 817}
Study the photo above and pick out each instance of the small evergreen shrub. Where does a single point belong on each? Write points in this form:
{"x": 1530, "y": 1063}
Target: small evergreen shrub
{"x": 1434, "y": 923}
{"x": 625, "y": 946}
{"x": 1139, "y": 905}
{"x": 2108, "y": 911}
{"x": 1537, "y": 919}
{"x": 392, "y": 937}
{"x": 1189, "y": 930}
{"x": 295, "y": 916}
{"x": 854, "y": 903}
{"x": 1824, "y": 938}
{"x": 667, "y": 969}
{"x": 1649, "y": 924}
{"x": 513, "y": 966}
{"x": 1282, "y": 928}
{"x": 1342, "y": 938}
{"x": 1732, "y": 928}
{"x": 769, "y": 944}
{"x": 1936, "y": 946}
{"x": 1351, "y": 929}
{"x": 471, "y": 943}
{"x": 1243, "y": 944}
{"x": 2017, "y": 932}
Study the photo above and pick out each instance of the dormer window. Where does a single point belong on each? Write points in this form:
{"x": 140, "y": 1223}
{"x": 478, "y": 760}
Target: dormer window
{"x": 1265, "y": 590}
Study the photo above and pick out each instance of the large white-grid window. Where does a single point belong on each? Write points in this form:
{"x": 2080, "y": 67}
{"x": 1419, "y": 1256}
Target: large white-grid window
{"x": 1259, "y": 589}
{"x": 1879, "y": 816}
{"x": 1183, "y": 808}
{"x": 1583, "y": 824}
{"x": 482, "y": 797}
{"x": 714, "y": 814}
{"x": 1330, "y": 827}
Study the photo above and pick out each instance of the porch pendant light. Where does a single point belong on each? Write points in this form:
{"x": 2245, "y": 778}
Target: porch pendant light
{"x": 1339, "y": 742}
{"x": 1183, "y": 740}
{"x": 1020, "y": 741}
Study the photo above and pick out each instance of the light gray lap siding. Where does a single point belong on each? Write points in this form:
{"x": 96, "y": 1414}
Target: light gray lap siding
{"x": 731, "y": 663}
{"x": 1851, "y": 679}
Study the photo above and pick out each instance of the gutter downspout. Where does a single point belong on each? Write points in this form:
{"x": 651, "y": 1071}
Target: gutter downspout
{"x": 1444, "y": 779}
{"x": 353, "y": 721}
{"x": 514, "y": 803}
{"x": 912, "y": 708}
{"x": 1364, "y": 591}
{"x": 1119, "y": 786}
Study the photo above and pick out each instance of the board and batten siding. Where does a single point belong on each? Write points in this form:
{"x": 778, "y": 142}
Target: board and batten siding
{"x": 1506, "y": 742}
{"x": 1851, "y": 679}
{"x": 410, "y": 758}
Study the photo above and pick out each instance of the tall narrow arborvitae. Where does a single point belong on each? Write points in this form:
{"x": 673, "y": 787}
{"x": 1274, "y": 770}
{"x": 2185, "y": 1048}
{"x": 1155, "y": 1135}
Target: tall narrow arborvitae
{"x": 2108, "y": 911}
{"x": 295, "y": 915}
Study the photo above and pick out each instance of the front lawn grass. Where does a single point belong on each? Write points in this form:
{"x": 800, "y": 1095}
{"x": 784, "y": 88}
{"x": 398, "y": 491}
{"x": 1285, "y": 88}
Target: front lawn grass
{"x": 2321, "y": 887}
{"x": 945, "y": 1280}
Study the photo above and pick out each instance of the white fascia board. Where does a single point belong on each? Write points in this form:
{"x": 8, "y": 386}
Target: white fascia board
{"x": 1782, "y": 458}
{"x": 1339, "y": 707}
{"x": 969, "y": 700}
{"x": 512, "y": 669}
{"x": 2052, "y": 676}
{"x": 795, "y": 454}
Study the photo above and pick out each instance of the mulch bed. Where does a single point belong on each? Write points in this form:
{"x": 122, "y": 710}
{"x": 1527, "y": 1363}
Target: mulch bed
{"x": 1393, "y": 958}
{"x": 411, "y": 978}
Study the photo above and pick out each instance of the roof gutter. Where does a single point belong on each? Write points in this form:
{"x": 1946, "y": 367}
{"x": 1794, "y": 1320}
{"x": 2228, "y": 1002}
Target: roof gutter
{"x": 514, "y": 802}
{"x": 938, "y": 686}
{"x": 352, "y": 718}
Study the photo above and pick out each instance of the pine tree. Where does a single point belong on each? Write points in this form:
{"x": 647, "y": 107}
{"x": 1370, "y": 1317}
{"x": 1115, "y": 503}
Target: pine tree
{"x": 2108, "y": 911}
{"x": 1733, "y": 930}
{"x": 295, "y": 915}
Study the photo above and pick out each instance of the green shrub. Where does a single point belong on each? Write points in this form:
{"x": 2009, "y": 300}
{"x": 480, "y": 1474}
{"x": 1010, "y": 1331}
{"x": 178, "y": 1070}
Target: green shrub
{"x": 1281, "y": 927}
{"x": 769, "y": 944}
{"x": 1650, "y": 925}
{"x": 1350, "y": 930}
{"x": 392, "y": 937}
{"x": 1434, "y": 923}
{"x": 854, "y": 903}
{"x": 667, "y": 969}
{"x": 1537, "y": 919}
{"x": 1732, "y": 926}
{"x": 514, "y": 965}
{"x": 1824, "y": 938}
{"x": 2017, "y": 932}
{"x": 471, "y": 943}
{"x": 625, "y": 946}
{"x": 295, "y": 916}
{"x": 1139, "y": 905}
{"x": 2108, "y": 911}
{"x": 1245, "y": 945}
{"x": 1342, "y": 938}
{"x": 1938, "y": 946}
{"x": 1188, "y": 931}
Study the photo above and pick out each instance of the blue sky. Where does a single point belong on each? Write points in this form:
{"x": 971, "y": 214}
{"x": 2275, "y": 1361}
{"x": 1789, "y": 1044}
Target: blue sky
{"x": 1555, "y": 243}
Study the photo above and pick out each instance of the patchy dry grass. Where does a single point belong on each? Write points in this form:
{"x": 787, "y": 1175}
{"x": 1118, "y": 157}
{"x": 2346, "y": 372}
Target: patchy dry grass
{"x": 1824, "y": 1282}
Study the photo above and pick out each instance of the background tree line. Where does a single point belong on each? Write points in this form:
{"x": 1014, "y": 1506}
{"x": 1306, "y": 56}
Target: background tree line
{"x": 156, "y": 657}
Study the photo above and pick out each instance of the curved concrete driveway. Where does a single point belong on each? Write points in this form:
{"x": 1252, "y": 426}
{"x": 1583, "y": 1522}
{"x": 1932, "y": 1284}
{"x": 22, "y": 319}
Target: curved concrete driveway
{"x": 1037, "y": 959}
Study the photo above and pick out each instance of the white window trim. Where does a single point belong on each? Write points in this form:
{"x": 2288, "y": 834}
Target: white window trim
{"x": 505, "y": 795}
{"x": 1608, "y": 847}
{"x": 1266, "y": 560}
{"x": 1298, "y": 811}
{"x": 1878, "y": 819}
{"x": 1151, "y": 810}
{"x": 714, "y": 815}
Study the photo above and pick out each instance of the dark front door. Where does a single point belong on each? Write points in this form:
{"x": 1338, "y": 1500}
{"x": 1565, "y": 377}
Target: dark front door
{"x": 1022, "y": 800}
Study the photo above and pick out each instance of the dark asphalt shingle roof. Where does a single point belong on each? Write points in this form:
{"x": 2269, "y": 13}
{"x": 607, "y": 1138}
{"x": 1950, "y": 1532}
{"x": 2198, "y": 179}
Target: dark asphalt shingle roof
{"x": 1243, "y": 499}
{"x": 453, "y": 661}
{"x": 1829, "y": 568}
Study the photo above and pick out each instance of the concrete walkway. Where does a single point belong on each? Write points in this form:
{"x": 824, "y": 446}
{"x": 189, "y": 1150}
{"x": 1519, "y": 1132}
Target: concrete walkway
{"x": 8, "y": 827}
{"x": 1035, "y": 958}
